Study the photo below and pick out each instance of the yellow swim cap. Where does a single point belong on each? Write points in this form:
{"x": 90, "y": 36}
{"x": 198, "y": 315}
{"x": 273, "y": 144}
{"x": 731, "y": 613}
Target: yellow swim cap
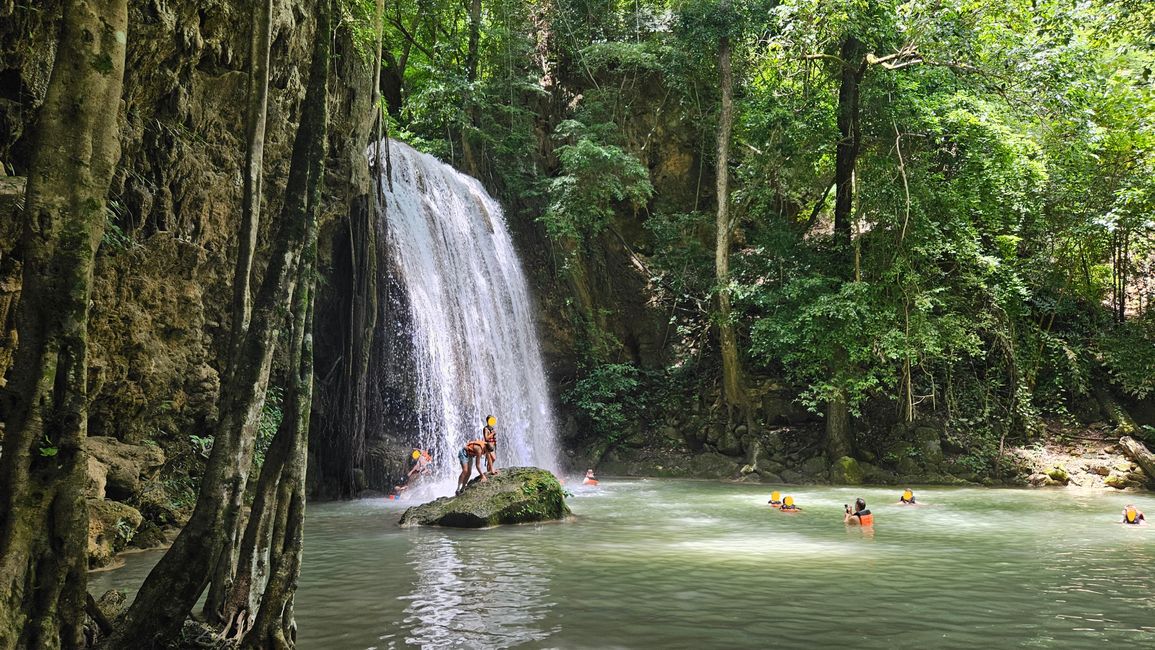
{"x": 775, "y": 496}
{"x": 416, "y": 454}
{"x": 788, "y": 501}
{"x": 491, "y": 420}
{"x": 1131, "y": 513}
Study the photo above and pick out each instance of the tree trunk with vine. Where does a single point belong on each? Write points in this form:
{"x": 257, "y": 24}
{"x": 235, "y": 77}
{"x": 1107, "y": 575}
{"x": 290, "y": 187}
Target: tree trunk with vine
{"x": 43, "y": 513}
{"x": 173, "y": 586}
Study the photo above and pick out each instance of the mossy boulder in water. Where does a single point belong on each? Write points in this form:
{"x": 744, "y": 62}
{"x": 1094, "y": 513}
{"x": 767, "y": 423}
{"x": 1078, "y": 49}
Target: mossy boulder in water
{"x": 517, "y": 495}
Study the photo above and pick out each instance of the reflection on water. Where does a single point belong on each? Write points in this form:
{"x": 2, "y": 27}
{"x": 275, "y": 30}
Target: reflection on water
{"x": 474, "y": 595}
{"x": 684, "y": 564}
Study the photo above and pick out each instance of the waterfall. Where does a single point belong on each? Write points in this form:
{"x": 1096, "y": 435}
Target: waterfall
{"x": 470, "y": 327}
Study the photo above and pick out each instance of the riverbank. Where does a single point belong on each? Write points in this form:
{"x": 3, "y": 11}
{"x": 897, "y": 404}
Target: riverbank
{"x": 1088, "y": 457}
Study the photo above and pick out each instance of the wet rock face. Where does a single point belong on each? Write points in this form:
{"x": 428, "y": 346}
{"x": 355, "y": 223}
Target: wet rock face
{"x": 517, "y": 495}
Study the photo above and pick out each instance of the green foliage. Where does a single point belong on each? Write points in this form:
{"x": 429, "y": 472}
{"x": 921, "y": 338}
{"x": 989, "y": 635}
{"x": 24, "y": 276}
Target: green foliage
{"x": 1004, "y": 187}
{"x": 124, "y": 531}
{"x": 608, "y": 397}
{"x": 202, "y": 445}
{"x": 1129, "y": 356}
{"x": 271, "y": 415}
{"x": 48, "y": 450}
{"x": 594, "y": 178}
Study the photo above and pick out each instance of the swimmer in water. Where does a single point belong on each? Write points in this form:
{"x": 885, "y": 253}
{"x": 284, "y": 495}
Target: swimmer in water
{"x": 775, "y": 498}
{"x": 907, "y": 498}
{"x": 590, "y": 479}
{"x": 788, "y": 505}
{"x": 1133, "y": 516}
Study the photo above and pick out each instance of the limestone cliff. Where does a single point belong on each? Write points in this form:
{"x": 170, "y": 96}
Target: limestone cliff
{"x": 164, "y": 269}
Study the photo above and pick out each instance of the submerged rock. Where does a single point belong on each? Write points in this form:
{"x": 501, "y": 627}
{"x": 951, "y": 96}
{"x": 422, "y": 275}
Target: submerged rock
{"x": 517, "y": 495}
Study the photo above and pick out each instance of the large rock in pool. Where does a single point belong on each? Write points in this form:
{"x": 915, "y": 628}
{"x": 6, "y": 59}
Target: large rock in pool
{"x": 517, "y": 495}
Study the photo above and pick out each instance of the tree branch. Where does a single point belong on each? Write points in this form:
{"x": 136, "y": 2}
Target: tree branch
{"x": 412, "y": 39}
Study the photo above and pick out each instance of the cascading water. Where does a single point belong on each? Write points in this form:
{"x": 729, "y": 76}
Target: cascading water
{"x": 470, "y": 325}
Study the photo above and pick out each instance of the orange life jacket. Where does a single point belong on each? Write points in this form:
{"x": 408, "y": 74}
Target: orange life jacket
{"x": 866, "y": 520}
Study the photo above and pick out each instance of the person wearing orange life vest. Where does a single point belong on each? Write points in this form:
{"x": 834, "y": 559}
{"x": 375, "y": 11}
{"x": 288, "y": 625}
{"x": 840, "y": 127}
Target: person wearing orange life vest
{"x": 471, "y": 453}
{"x": 489, "y": 434}
{"x": 590, "y": 479}
{"x": 788, "y": 505}
{"x": 775, "y": 498}
{"x": 1132, "y": 515}
{"x": 860, "y": 517}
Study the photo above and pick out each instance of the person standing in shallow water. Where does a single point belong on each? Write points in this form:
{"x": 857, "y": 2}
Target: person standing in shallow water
{"x": 489, "y": 435}
{"x": 861, "y": 516}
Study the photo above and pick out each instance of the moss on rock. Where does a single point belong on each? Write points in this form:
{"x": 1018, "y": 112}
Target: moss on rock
{"x": 846, "y": 472}
{"x": 517, "y": 495}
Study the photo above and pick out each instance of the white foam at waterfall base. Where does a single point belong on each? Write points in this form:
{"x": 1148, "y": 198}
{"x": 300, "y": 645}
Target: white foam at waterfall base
{"x": 473, "y": 331}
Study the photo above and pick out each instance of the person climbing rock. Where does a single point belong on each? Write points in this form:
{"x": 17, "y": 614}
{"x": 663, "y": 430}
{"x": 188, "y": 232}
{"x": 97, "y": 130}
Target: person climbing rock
{"x": 489, "y": 434}
{"x": 775, "y": 498}
{"x": 590, "y": 479}
{"x": 788, "y": 505}
{"x": 471, "y": 453}
{"x": 1132, "y": 515}
{"x": 907, "y": 497}
{"x": 861, "y": 516}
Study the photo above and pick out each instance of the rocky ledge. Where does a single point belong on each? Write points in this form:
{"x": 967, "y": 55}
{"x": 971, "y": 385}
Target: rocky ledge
{"x": 517, "y": 495}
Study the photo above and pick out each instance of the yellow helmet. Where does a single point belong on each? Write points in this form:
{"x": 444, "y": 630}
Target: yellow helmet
{"x": 775, "y": 496}
{"x": 416, "y": 454}
{"x": 1130, "y": 513}
{"x": 491, "y": 420}
{"x": 788, "y": 501}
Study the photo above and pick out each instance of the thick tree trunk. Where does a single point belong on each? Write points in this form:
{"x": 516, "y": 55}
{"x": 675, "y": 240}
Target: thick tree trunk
{"x": 43, "y": 517}
{"x": 839, "y": 439}
{"x": 173, "y": 586}
{"x": 257, "y": 109}
{"x": 1142, "y": 456}
{"x": 853, "y": 55}
{"x": 284, "y": 507}
{"x": 472, "y": 62}
{"x": 732, "y": 391}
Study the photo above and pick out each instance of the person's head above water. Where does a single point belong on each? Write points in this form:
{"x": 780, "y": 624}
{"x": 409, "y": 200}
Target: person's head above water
{"x": 775, "y": 496}
{"x": 788, "y": 501}
{"x": 907, "y": 495}
{"x": 1130, "y": 513}
{"x": 490, "y": 420}
{"x": 859, "y": 504}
